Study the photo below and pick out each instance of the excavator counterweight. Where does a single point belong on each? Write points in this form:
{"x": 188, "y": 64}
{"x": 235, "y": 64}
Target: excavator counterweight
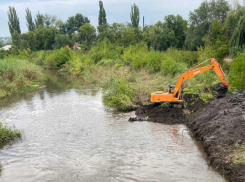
{"x": 174, "y": 94}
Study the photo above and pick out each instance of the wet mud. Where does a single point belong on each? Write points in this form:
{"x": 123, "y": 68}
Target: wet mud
{"x": 219, "y": 125}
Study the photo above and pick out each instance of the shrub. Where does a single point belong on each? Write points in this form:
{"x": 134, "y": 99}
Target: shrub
{"x": 15, "y": 74}
{"x": 7, "y": 134}
{"x": 237, "y": 72}
{"x": 80, "y": 65}
{"x": 171, "y": 67}
{"x": 57, "y": 58}
{"x": 119, "y": 95}
{"x": 106, "y": 50}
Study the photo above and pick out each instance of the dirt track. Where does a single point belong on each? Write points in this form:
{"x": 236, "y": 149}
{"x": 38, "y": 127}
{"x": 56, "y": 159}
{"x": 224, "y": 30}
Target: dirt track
{"x": 219, "y": 125}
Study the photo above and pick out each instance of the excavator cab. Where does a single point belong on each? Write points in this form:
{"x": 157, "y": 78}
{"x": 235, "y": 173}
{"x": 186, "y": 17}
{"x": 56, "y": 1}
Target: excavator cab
{"x": 170, "y": 88}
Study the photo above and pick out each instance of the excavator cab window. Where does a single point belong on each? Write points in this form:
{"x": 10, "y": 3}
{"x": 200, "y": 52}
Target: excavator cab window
{"x": 170, "y": 88}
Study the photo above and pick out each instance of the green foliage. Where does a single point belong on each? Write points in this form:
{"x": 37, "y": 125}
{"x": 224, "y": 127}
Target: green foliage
{"x": 102, "y": 14}
{"x": 238, "y": 155}
{"x": 13, "y": 21}
{"x": 217, "y": 39}
{"x": 82, "y": 65}
{"x": 30, "y": 24}
{"x": 8, "y": 134}
{"x": 61, "y": 40}
{"x": 87, "y": 33}
{"x": 39, "y": 20}
{"x": 235, "y": 26}
{"x": 169, "y": 66}
{"x": 57, "y": 58}
{"x": 179, "y": 26}
{"x": 106, "y": 50}
{"x": 15, "y": 74}
{"x": 120, "y": 95}
{"x": 237, "y": 72}
{"x": 160, "y": 37}
{"x": 201, "y": 19}
{"x": 135, "y": 16}
{"x": 74, "y": 23}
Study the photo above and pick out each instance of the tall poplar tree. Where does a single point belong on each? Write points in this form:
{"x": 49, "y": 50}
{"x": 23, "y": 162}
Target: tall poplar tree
{"x": 13, "y": 21}
{"x": 102, "y": 14}
{"x": 30, "y": 24}
{"x": 39, "y": 20}
{"x": 135, "y": 16}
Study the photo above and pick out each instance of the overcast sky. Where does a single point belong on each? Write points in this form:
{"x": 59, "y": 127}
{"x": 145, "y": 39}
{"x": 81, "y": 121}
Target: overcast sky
{"x": 117, "y": 10}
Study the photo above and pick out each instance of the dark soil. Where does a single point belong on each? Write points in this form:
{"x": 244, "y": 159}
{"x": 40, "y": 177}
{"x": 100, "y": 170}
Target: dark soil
{"x": 219, "y": 125}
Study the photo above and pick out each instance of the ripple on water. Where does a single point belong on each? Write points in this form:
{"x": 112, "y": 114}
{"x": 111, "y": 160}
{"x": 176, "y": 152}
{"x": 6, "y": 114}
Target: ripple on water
{"x": 69, "y": 135}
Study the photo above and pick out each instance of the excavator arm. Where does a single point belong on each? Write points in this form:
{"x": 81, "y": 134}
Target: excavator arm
{"x": 196, "y": 71}
{"x": 175, "y": 95}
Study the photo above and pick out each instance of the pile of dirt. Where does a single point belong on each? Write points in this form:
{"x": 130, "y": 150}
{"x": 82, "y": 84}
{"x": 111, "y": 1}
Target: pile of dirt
{"x": 219, "y": 125}
{"x": 163, "y": 113}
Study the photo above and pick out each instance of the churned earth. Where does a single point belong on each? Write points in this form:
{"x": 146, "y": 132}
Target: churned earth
{"x": 219, "y": 125}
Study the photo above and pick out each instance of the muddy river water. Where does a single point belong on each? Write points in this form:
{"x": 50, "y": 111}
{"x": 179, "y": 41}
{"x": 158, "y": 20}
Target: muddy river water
{"x": 69, "y": 135}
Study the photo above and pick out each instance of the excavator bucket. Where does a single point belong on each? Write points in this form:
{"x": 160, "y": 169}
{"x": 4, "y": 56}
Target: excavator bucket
{"x": 221, "y": 89}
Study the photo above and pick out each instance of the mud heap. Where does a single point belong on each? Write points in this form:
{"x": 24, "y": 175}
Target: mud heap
{"x": 219, "y": 125}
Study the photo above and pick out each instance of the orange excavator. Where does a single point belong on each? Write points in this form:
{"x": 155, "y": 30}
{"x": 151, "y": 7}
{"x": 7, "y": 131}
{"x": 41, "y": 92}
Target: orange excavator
{"x": 174, "y": 95}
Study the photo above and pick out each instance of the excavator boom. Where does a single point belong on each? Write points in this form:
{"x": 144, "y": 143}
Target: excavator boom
{"x": 175, "y": 95}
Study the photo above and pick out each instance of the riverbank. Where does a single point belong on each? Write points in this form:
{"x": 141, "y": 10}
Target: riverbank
{"x": 16, "y": 76}
{"x": 219, "y": 125}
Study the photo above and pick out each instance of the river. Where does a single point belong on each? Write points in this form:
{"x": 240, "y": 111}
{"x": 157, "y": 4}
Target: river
{"x": 69, "y": 135}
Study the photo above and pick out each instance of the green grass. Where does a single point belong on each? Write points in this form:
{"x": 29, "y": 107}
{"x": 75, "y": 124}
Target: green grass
{"x": 8, "y": 134}
{"x": 33, "y": 86}
{"x": 238, "y": 157}
{"x": 18, "y": 75}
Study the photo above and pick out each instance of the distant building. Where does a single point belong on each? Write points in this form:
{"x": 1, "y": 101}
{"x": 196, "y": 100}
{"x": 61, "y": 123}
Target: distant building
{"x": 6, "y": 48}
{"x": 228, "y": 60}
{"x": 77, "y": 46}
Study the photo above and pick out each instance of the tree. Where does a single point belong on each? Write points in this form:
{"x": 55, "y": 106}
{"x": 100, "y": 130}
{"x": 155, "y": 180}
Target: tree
{"x": 16, "y": 41}
{"x": 179, "y": 26}
{"x": 30, "y": 24}
{"x": 201, "y": 19}
{"x": 102, "y": 14}
{"x": 61, "y": 26}
{"x": 75, "y": 22}
{"x": 49, "y": 20}
{"x": 217, "y": 39}
{"x": 45, "y": 38}
{"x": 135, "y": 16}
{"x": 235, "y": 23}
{"x": 39, "y": 20}
{"x": 88, "y": 34}
{"x": 13, "y": 21}
{"x": 61, "y": 40}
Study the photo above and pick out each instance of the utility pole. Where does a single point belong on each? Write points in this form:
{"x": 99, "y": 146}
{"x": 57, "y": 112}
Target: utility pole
{"x": 143, "y": 21}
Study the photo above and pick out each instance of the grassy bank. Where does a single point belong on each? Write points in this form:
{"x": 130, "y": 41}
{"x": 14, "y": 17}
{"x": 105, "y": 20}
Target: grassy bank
{"x": 17, "y": 75}
{"x": 129, "y": 74}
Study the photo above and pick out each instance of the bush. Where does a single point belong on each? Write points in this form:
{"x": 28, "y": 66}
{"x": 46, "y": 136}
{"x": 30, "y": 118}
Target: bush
{"x": 57, "y": 58}
{"x": 119, "y": 95}
{"x": 237, "y": 72}
{"x": 8, "y": 134}
{"x": 15, "y": 74}
{"x": 80, "y": 65}
{"x": 171, "y": 67}
{"x": 106, "y": 50}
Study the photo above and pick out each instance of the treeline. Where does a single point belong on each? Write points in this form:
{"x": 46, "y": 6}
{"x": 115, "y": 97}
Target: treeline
{"x": 213, "y": 24}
